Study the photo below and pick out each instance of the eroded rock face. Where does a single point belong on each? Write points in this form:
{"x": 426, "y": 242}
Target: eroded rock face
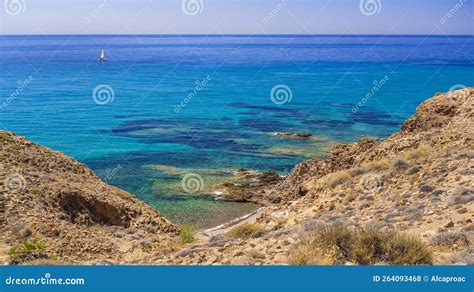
{"x": 83, "y": 210}
{"x": 63, "y": 204}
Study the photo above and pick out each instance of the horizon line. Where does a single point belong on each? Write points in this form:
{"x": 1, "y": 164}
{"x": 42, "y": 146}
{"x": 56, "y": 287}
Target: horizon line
{"x": 238, "y": 34}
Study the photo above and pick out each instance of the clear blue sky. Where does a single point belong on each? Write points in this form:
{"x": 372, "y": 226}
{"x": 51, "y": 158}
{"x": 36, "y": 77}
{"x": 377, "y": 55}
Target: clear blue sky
{"x": 236, "y": 17}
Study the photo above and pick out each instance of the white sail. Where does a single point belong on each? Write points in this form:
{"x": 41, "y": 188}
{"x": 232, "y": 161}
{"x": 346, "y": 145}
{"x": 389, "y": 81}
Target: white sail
{"x": 102, "y": 57}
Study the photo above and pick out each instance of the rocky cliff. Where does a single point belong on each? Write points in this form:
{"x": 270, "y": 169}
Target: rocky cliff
{"x": 53, "y": 208}
{"x": 419, "y": 182}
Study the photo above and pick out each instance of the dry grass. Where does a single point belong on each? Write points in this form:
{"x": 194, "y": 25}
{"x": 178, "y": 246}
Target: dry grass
{"x": 124, "y": 195}
{"x": 418, "y": 153}
{"x": 336, "y": 244}
{"x": 450, "y": 240}
{"x": 376, "y": 165}
{"x": 245, "y": 231}
{"x": 339, "y": 178}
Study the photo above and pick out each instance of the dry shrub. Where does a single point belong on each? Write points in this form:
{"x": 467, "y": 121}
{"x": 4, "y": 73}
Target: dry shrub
{"x": 245, "y": 231}
{"x": 336, "y": 244}
{"x": 376, "y": 165}
{"x": 450, "y": 239}
{"x": 339, "y": 178}
{"x": 417, "y": 153}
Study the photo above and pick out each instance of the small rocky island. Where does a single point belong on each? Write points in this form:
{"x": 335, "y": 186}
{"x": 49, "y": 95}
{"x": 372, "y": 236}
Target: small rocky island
{"x": 406, "y": 200}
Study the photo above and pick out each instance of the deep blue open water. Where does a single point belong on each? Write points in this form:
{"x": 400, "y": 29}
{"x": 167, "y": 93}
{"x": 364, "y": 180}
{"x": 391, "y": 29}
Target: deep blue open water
{"x": 197, "y": 104}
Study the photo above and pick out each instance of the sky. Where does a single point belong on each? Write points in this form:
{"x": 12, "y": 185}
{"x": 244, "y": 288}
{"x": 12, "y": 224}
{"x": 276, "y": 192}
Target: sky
{"x": 439, "y": 17}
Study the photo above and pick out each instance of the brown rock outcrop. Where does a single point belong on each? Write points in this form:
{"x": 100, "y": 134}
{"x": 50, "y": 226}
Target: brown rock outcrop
{"x": 64, "y": 205}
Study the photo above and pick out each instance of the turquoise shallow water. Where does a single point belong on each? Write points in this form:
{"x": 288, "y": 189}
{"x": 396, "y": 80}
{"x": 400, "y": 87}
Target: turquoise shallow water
{"x": 196, "y": 104}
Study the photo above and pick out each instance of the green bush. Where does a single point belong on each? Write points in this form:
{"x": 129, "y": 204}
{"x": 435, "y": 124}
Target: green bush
{"x": 27, "y": 251}
{"x": 186, "y": 234}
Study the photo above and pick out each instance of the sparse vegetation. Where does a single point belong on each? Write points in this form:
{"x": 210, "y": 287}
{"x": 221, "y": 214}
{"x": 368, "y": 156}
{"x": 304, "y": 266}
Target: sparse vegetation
{"x": 124, "y": 195}
{"x": 450, "y": 239}
{"x": 376, "y": 165}
{"x": 245, "y": 231}
{"x": 186, "y": 234}
{"x": 27, "y": 251}
{"x": 37, "y": 191}
{"x": 336, "y": 244}
{"x": 400, "y": 164}
{"x": 417, "y": 153}
{"x": 357, "y": 171}
{"x": 6, "y": 137}
{"x": 339, "y": 178}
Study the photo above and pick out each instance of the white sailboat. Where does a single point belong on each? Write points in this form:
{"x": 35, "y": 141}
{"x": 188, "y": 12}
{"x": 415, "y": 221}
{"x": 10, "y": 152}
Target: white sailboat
{"x": 102, "y": 57}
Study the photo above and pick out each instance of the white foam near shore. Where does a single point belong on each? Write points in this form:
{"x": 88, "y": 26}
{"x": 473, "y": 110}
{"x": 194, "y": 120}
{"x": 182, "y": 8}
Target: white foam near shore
{"x": 232, "y": 222}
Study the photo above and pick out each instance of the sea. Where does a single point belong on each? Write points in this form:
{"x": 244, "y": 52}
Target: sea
{"x": 170, "y": 118}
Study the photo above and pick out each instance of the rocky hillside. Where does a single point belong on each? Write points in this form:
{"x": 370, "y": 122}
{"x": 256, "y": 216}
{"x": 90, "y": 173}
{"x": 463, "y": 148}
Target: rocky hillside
{"x": 405, "y": 200}
{"x": 419, "y": 182}
{"x": 54, "y": 209}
